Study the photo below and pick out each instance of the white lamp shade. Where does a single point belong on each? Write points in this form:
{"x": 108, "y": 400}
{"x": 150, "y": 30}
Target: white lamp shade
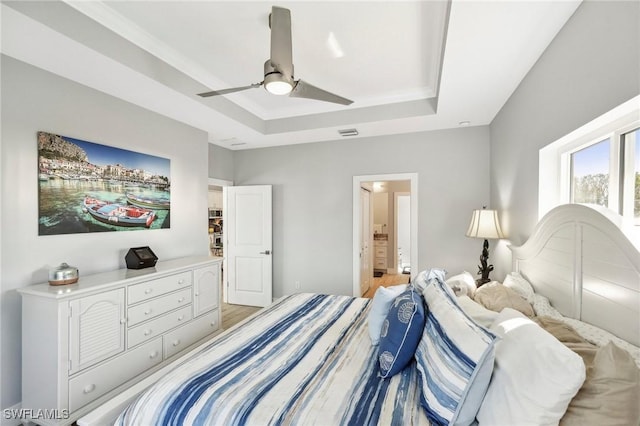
{"x": 484, "y": 224}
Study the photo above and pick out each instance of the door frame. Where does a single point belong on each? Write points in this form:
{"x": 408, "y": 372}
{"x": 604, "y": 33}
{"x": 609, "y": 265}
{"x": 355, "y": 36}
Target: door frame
{"x": 357, "y": 183}
{"x": 222, "y": 183}
{"x": 369, "y": 189}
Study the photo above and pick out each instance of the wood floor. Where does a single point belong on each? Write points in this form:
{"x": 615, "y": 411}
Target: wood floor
{"x": 387, "y": 280}
{"x": 233, "y": 314}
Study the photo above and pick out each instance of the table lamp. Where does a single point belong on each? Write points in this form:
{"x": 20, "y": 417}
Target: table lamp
{"x": 484, "y": 224}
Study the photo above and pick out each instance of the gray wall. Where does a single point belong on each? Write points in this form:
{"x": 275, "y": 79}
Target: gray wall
{"x": 220, "y": 162}
{"x": 591, "y": 66}
{"x": 312, "y": 200}
{"x": 34, "y": 100}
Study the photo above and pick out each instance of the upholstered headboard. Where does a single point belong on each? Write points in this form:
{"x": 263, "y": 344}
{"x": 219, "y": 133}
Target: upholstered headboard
{"x": 580, "y": 259}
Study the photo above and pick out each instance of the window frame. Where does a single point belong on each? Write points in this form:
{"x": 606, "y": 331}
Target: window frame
{"x": 554, "y": 179}
{"x": 627, "y": 190}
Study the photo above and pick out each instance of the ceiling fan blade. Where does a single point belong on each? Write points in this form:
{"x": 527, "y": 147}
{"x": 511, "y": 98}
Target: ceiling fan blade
{"x": 281, "y": 50}
{"x": 308, "y": 91}
{"x": 227, "y": 91}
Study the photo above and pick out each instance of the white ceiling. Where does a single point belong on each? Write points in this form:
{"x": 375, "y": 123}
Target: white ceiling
{"x": 408, "y": 65}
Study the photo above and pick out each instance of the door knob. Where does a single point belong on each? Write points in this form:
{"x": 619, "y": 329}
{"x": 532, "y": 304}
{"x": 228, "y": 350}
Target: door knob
{"x": 267, "y": 252}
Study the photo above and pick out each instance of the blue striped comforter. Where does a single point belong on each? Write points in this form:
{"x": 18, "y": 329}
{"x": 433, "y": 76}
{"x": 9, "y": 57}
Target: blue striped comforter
{"x": 306, "y": 360}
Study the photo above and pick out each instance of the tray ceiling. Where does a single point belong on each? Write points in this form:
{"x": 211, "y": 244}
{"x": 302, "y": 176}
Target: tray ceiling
{"x": 408, "y": 66}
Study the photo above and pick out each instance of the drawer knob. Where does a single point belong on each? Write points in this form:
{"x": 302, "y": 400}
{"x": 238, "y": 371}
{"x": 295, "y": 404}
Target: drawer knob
{"x": 147, "y": 291}
{"x": 197, "y": 293}
{"x": 213, "y": 323}
{"x": 181, "y": 300}
{"x": 176, "y": 342}
{"x": 180, "y": 281}
{"x": 181, "y": 317}
{"x": 123, "y": 320}
{"x": 89, "y": 388}
{"x": 148, "y": 311}
{"x": 153, "y": 354}
{"x": 148, "y": 331}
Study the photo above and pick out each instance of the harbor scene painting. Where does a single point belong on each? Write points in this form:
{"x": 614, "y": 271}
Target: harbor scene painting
{"x": 89, "y": 187}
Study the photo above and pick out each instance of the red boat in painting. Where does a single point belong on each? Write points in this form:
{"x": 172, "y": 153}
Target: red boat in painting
{"x": 118, "y": 214}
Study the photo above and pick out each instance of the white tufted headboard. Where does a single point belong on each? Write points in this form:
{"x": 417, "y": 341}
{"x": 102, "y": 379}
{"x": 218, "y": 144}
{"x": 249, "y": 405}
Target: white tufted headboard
{"x": 579, "y": 258}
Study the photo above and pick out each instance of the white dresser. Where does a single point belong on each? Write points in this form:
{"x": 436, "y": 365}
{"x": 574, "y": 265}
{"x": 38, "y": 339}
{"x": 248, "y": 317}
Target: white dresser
{"x": 82, "y": 343}
{"x": 380, "y": 254}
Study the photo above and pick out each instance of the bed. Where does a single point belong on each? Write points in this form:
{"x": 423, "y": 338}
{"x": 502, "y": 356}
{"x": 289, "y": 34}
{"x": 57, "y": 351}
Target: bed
{"x": 308, "y": 358}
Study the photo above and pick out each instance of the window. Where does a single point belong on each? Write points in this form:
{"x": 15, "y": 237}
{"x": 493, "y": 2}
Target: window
{"x": 599, "y": 163}
{"x": 631, "y": 176}
{"x": 590, "y": 174}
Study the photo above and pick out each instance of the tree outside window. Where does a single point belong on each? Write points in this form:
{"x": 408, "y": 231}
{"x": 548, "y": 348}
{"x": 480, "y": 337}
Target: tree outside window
{"x": 590, "y": 174}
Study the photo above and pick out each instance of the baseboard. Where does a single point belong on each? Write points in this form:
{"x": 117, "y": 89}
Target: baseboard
{"x": 10, "y": 416}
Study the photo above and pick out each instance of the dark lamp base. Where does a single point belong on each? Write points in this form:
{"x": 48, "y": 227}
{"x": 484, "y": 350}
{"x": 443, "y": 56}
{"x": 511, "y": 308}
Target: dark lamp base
{"x": 482, "y": 281}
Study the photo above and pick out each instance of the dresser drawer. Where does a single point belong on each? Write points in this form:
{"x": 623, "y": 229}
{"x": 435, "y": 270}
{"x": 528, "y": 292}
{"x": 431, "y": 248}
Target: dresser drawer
{"x": 379, "y": 263}
{"x": 188, "y": 334}
{"x": 94, "y": 383}
{"x": 158, "y": 306}
{"x": 380, "y": 243}
{"x": 156, "y": 327}
{"x": 380, "y": 252}
{"x": 143, "y": 291}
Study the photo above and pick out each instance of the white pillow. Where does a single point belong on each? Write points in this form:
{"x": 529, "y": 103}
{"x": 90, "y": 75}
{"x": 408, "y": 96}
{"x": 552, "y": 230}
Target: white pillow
{"x": 520, "y": 285}
{"x": 380, "y": 305}
{"x": 462, "y": 284}
{"x": 476, "y": 311}
{"x": 534, "y": 378}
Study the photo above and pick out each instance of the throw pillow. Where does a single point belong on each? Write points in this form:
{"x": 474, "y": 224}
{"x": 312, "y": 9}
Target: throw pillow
{"x": 380, "y": 305}
{"x": 462, "y": 284}
{"x": 520, "y": 285}
{"x": 477, "y": 312}
{"x": 535, "y": 375}
{"x": 401, "y": 331}
{"x": 421, "y": 281}
{"x": 454, "y": 359}
{"x": 496, "y": 297}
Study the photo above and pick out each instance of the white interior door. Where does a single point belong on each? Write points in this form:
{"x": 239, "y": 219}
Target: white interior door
{"x": 248, "y": 245}
{"x": 366, "y": 273}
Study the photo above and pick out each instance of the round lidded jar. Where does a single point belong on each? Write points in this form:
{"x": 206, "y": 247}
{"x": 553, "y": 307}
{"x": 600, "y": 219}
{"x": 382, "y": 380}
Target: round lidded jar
{"x": 63, "y": 274}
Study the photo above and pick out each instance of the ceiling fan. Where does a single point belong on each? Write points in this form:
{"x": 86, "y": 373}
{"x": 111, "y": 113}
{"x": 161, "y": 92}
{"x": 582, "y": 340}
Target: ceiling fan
{"x": 278, "y": 70}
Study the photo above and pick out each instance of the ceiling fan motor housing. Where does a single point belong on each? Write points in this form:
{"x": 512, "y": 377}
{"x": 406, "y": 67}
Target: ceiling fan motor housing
{"x": 274, "y": 81}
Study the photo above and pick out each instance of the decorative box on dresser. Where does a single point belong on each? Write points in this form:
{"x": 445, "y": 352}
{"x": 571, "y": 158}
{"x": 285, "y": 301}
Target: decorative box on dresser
{"x": 83, "y": 342}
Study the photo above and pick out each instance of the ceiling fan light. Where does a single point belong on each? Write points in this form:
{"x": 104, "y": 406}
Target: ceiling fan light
{"x": 277, "y": 86}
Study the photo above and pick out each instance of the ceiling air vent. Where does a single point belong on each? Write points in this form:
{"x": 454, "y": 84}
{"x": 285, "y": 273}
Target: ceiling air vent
{"x": 348, "y": 132}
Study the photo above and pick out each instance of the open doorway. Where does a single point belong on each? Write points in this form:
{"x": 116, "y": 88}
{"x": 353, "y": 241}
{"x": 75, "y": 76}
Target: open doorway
{"x": 390, "y": 248}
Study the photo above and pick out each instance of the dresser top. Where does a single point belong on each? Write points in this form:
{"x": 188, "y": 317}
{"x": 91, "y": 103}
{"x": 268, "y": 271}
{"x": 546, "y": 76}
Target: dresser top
{"x": 96, "y": 282}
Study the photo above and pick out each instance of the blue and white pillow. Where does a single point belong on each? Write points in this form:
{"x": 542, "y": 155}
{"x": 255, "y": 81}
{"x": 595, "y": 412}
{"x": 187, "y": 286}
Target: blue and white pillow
{"x": 454, "y": 357}
{"x": 401, "y": 332}
{"x": 422, "y": 280}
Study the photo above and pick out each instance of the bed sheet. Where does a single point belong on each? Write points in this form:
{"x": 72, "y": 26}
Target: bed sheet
{"x": 304, "y": 360}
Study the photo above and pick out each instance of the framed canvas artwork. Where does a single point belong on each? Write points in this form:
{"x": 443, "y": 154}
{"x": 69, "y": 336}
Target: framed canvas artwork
{"x": 89, "y": 187}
